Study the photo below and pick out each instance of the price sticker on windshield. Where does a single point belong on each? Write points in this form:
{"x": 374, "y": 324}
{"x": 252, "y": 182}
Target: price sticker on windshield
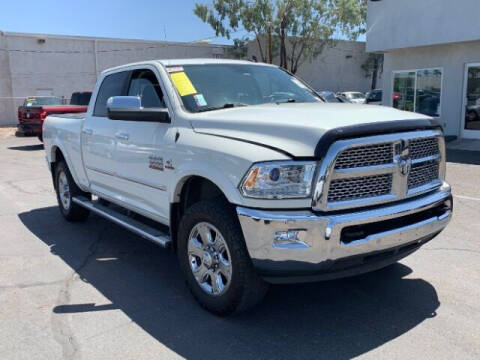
{"x": 183, "y": 84}
{"x": 173, "y": 69}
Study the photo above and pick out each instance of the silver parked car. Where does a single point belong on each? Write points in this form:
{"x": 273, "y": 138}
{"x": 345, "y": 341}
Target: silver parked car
{"x": 353, "y": 97}
{"x": 331, "y": 97}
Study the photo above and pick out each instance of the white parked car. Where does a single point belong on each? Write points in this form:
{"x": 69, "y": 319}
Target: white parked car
{"x": 250, "y": 176}
{"x": 353, "y": 97}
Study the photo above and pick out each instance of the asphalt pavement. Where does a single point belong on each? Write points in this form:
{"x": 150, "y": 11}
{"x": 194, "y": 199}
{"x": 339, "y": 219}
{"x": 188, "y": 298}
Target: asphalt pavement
{"x": 95, "y": 291}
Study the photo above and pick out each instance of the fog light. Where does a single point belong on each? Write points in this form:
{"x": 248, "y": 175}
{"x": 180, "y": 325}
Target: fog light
{"x": 448, "y": 204}
{"x": 290, "y": 239}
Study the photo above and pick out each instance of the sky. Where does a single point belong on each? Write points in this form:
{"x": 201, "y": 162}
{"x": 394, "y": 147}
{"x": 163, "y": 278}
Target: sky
{"x": 162, "y": 20}
{"x": 170, "y": 20}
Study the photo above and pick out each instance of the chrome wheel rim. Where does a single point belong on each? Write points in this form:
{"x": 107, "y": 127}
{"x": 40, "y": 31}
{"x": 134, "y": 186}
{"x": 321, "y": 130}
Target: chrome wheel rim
{"x": 209, "y": 259}
{"x": 64, "y": 190}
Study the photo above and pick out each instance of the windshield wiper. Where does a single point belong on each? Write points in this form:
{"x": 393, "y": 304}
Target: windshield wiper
{"x": 224, "y": 106}
{"x": 286, "y": 101}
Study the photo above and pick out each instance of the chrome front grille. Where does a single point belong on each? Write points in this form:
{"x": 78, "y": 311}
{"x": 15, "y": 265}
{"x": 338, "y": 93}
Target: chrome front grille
{"x": 368, "y": 155}
{"x": 378, "y": 169}
{"x": 359, "y": 188}
{"x": 422, "y": 148}
{"x": 423, "y": 173}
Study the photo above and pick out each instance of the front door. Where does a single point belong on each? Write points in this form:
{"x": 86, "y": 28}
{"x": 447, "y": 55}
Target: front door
{"x": 143, "y": 166}
{"x": 471, "y": 102}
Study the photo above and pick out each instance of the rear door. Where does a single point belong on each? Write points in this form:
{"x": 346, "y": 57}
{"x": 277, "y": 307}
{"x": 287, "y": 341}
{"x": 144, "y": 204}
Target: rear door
{"x": 98, "y": 137}
{"x": 143, "y": 164}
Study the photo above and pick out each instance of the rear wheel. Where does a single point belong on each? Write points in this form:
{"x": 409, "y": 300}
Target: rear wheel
{"x": 215, "y": 261}
{"x": 66, "y": 189}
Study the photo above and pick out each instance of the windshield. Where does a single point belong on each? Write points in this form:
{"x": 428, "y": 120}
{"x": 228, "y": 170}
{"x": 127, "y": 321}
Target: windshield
{"x": 38, "y": 101}
{"x": 356, "y": 96}
{"x": 217, "y": 86}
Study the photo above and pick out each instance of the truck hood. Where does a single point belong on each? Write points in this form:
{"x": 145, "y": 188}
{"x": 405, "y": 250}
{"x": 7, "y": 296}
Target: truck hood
{"x": 305, "y": 129}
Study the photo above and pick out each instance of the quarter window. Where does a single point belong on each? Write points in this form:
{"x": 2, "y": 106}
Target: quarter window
{"x": 418, "y": 91}
{"x": 112, "y": 85}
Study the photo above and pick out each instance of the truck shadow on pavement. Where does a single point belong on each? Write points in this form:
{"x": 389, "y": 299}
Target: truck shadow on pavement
{"x": 27, "y": 147}
{"x": 338, "y": 319}
{"x": 463, "y": 157}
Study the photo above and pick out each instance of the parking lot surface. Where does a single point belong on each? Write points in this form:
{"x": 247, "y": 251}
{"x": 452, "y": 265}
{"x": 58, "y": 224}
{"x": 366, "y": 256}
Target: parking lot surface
{"x": 95, "y": 291}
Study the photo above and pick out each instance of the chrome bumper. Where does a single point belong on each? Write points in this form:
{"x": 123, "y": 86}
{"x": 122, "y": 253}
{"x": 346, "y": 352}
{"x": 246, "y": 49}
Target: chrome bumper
{"x": 287, "y": 244}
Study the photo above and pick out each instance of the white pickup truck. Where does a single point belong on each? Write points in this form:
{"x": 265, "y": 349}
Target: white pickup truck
{"x": 248, "y": 175}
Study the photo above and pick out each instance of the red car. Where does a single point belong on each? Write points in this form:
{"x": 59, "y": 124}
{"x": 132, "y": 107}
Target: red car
{"x": 35, "y": 109}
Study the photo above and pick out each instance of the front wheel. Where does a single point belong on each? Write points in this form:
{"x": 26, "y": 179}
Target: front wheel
{"x": 215, "y": 261}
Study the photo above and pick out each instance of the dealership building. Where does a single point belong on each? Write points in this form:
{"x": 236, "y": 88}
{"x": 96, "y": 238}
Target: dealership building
{"x": 432, "y": 59}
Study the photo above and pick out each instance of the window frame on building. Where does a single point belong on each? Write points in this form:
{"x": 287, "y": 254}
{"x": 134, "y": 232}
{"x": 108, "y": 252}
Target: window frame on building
{"x": 415, "y": 87}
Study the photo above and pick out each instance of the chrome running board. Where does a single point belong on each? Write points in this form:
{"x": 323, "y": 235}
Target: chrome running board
{"x": 137, "y": 227}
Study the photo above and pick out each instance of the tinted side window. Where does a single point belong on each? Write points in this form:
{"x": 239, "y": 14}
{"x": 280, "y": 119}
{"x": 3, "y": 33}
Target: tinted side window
{"x": 145, "y": 84}
{"x": 112, "y": 85}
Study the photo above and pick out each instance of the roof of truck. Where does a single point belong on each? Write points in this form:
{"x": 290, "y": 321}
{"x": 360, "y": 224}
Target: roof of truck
{"x": 178, "y": 62}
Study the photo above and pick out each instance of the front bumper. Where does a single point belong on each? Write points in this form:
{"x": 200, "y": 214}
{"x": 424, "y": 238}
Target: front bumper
{"x": 327, "y": 246}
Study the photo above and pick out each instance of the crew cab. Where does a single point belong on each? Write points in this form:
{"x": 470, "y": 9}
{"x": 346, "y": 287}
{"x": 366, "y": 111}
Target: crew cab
{"x": 248, "y": 175}
{"x": 35, "y": 109}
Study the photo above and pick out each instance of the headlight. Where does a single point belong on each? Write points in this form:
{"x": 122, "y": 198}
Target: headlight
{"x": 279, "y": 180}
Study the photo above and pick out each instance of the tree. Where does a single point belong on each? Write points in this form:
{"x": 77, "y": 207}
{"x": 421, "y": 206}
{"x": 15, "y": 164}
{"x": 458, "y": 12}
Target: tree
{"x": 301, "y": 28}
{"x": 373, "y": 66}
{"x": 304, "y": 28}
{"x": 350, "y": 17}
{"x": 239, "y": 49}
{"x": 228, "y": 16}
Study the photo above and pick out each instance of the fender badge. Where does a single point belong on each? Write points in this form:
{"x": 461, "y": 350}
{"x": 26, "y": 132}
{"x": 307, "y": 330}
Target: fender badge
{"x": 155, "y": 163}
{"x": 169, "y": 165}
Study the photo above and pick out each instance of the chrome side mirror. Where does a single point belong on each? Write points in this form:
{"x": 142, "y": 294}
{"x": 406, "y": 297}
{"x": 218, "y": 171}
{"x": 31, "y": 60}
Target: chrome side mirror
{"x": 129, "y": 108}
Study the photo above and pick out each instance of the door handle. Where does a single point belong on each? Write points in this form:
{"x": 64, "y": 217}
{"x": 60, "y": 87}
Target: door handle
{"x": 87, "y": 131}
{"x": 122, "y": 136}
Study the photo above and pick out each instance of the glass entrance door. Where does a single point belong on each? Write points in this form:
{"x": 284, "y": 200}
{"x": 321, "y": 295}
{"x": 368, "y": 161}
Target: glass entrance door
{"x": 471, "y": 111}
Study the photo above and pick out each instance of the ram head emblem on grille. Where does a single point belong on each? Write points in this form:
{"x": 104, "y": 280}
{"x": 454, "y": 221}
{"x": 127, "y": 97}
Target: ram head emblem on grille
{"x": 402, "y": 157}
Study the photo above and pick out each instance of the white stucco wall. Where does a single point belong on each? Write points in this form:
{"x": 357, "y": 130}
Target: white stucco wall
{"x": 66, "y": 64}
{"x": 452, "y": 58}
{"x": 6, "y": 103}
{"x": 396, "y": 24}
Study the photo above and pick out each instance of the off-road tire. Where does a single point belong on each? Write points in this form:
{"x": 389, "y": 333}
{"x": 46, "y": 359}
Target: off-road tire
{"x": 246, "y": 288}
{"x": 73, "y": 212}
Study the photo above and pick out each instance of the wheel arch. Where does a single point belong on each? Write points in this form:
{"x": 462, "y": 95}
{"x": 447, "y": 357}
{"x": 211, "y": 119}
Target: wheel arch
{"x": 57, "y": 154}
{"x": 191, "y": 189}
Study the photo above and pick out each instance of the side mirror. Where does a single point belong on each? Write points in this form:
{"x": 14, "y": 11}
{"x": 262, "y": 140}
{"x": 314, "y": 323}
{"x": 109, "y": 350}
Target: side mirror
{"x": 130, "y": 108}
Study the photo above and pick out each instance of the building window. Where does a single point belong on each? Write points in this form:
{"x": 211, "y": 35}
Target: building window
{"x": 418, "y": 90}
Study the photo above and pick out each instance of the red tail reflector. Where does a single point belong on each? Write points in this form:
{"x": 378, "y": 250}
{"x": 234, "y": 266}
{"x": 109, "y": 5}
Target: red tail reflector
{"x": 43, "y": 115}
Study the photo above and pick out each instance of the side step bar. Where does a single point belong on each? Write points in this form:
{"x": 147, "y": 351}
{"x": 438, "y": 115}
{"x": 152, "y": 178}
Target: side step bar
{"x": 145, "y": 231}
